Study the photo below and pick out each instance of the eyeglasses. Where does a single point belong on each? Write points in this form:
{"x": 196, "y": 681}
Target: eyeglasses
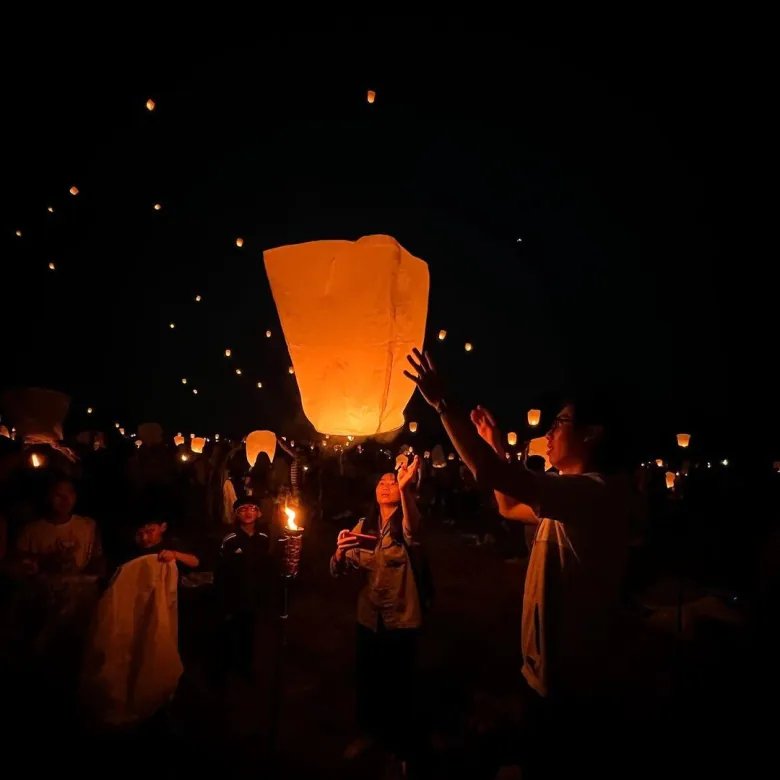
{"x": 559, "y": 421}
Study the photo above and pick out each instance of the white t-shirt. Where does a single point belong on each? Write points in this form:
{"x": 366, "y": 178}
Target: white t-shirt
{"x": 70, "y": 546}
{"x": 572, "y": 586}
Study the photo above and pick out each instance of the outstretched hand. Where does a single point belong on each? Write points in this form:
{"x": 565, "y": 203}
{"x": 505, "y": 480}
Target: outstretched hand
{"x": 406, "y": 473}
{"x": 428, "y": 380}
{"x": 486, "y": 427}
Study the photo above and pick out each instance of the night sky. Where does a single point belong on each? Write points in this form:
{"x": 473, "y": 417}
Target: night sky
{"x": 623, "y": 163}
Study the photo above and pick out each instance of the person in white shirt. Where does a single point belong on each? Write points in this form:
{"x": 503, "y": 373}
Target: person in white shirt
{"x": 61, "y": 542}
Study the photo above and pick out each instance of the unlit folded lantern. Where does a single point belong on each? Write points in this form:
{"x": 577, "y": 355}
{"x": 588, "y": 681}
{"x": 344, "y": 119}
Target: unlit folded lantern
{"x": 351, "y": 378}
{"x": 260, "y": 441}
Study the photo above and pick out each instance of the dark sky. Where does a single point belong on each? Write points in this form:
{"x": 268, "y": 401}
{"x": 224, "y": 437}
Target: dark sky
{"x": 625, "y": 162}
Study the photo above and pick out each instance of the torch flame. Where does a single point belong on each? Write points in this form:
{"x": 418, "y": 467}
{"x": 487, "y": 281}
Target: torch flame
{"x": 291, "y": 524}
{"x": 36, "y": 461}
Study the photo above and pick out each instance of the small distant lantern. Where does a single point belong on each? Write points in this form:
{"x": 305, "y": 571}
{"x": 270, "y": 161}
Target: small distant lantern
{"x": 239, "y": 242}
{"x": 371, "y": 96}
{"x": 194, "y": 390}
{"x": 228, "y": 352}
{"x": 50, "y": 209}
{"x": 216, "y": 437}
{"x": 197, "y": 444}
{"x": 442, "y": 335}
{"x": 171, "y": 325}
{"x": 121, "y": 431}
{"x": 290, "y": 370}
{"x": 74, "y": 190}
{"x": 725, "y": 462}
{"x": 238, "y": 372}
{"x": 150, "y": 104}
{"x": 259, "y": 385}
{"x": 412, "y": 427}
{"x": 52, "y": 267}
{"x": 139, "y": 443}
{"x": 268, "y": 334}
{"x": 670, "y": 478}
{"x": 511, "y": 438}
{"x": 157, "y": 206}
{"x": 534, "y": 417}
{"x": 451, "y": 456}
{"x": 184, "y": 380}
{"x": 89, "y": 410}
{"x": 192, "y": 436}
{"x": 18, "y": 233}
{"x": 683, "y": 439}
{"x": 468, "y": 346}
{"x": 659, "y": 462}
{"x": 178, "y": 440}
{"x": 116, "y": 425}
{"x": 198, "y": 299}
{"x": 427, "y": 454}
{"x": 185, "y": 457}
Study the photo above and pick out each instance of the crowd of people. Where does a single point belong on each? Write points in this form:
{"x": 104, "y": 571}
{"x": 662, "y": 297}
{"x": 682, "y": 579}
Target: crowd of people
{"x": 587, "y": 532}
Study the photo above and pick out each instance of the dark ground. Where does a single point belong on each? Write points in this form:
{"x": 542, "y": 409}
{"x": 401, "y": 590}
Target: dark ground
{"x": 694, "y": 706}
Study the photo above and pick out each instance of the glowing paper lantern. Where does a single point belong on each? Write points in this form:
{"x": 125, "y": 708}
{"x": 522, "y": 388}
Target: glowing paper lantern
{"x": 290, "y": 370}
{"x": 260, "y": 441}
{"x": 185, "y": 457}
{"x": 427, "y": 454}
{"x": 139, "y": 444}
{"x": 659, "y": 463}
{"x": 451, "y": 456}
{"x": 228, "y": 352}
{"x": 121, "y": 431}
{"x": 238, "y": 371}
{"x": 538, "y": 446}
{"x": 442, "y": 335}
{"x": 197, "y": 444}
{"x": 370, "y": 96}
{"x": 511, "y": 438}
{"x": 19, "y": 233}
{"x": 157, "y": 206}
{"x": 268, "y": 334}
{"x": 670, "y": 478}
{"x": 534, "y": 417}
{"x": 194, "y": 390}
{"x": 117, "y": 425}
{"x": 351, "y": 379}
{"x": 5, "y": 432}
{"x": 239, "y": 242}
{"x": 683, "y": 439}
{"x": 171, "y": 325}
{"x": 89, "y": 410}
{"x": 74, "y": 190}
{"x": 184, "y": 380}
{"x": 178, "y": 440}
{"x": 468, "y": 346}
{"x": 260, "y": 385}
{"x": 150, "y": 104}
{"x": 50, "y": 209}
{"x": 198, "y": 299}
{"x": 52, "y": 267}
{"x": 413, "y": 427}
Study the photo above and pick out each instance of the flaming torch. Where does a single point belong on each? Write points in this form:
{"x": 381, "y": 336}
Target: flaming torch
{"x": 292, "y": 538}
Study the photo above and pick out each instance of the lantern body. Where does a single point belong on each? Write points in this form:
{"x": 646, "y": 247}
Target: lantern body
{"x": 150, "y": 433}
{"x": 150, "y": 104}
{"x": 442, "y": 335}
{"x": 178, "y": 440}
{"x": 683, "y": 439}
{"x": 659, "y": 463}
{"x": 197, "y": 444}
{"x": 239, "y": 242}
{"x": 412, "y": 427}
{"x": 538, "y": 446}
{"x": 670, "y": 477}
{"x": 437, "y": 457}
{"x": 371, "y": 96}
{"x": 511, "y": 438}
{"x": 350, "y": 377}
{"x": 468, "y": 346}
{"x": 260, "y": 441}
{"x": 534, "y": 417}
